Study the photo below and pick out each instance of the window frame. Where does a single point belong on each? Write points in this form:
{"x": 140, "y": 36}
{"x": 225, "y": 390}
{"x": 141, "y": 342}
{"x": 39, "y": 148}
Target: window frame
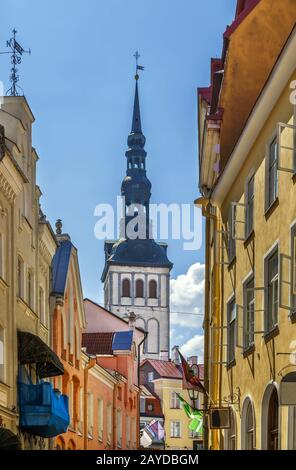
{"x": 175, "y": 401}
{"x": 268, "y": 202}
{"x": 154, "y": 283}
{"x": 175, "y": 424}
{"x": 231, "y": 322}
{"x": 247, "y": 289}
{"x": 126, "y": 290}
{"x": 249, "y": 206}
{"x": 270, "y": 326}
{"x": 231, "y": 242}
{"x": 141, "y": 294}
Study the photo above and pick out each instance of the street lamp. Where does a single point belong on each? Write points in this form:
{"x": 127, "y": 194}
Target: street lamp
{"x": 193, "y": 395}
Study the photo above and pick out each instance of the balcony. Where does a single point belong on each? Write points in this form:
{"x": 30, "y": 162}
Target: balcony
{"x": 43, "y": 410}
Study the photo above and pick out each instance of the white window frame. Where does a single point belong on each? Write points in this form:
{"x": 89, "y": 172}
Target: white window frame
{"x": 271, "y": 325}
{"x": 268, "y": 202}
{"x": 231, "y": 323}
{"x": 175, "y": 401}
{"x": 175, "y": 429}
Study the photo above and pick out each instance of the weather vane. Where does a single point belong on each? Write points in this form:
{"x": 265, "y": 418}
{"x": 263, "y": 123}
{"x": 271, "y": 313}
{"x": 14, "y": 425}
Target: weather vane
{"x": 16, "y": 51}
{"x": 138, "y": 67}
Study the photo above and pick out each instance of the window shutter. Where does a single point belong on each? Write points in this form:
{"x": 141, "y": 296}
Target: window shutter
{"x": 286, "y": 137}
{"x": 285, "y": 281}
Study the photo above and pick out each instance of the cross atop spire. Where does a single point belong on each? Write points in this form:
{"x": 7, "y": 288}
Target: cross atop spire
{"x": 138, "y": 67}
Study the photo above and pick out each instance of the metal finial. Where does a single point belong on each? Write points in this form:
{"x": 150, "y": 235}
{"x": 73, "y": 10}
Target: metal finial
{"x": 59, "y": 226}
{"x": 16, "y": 51}
{"x": 138, "y": 67}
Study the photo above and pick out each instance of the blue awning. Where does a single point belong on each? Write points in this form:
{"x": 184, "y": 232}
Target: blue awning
{"x": 122, "y": 341}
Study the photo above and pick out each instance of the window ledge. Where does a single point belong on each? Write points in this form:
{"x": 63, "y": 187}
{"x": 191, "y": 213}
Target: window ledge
{"x": 271, "y": 334}
{"x": 249, "y": 350}
{"x": 269, "y": 211}
{"x": 230, "y": 364}
{"x": 249, "y": 238}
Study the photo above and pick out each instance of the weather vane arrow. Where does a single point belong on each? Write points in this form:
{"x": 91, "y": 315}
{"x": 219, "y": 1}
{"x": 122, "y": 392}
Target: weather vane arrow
{"x": 16, "y": 51}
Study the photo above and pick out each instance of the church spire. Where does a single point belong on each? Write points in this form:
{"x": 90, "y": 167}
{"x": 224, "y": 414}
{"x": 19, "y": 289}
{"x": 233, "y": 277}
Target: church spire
{"x": 136, "y": 124}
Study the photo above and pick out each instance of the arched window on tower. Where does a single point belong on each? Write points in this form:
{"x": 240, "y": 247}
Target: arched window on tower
{"x": 153, "y": 336}
{"x": 152, "y": 289}
{"x": 139, "y": 288}
{"x": 126, "y": 288}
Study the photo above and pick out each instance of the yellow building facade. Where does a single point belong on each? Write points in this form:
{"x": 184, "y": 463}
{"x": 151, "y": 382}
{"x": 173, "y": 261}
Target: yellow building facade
{"x": 176, "y": 423}
{"x": 27, "y": 246}
{"x": 250, "y": 327}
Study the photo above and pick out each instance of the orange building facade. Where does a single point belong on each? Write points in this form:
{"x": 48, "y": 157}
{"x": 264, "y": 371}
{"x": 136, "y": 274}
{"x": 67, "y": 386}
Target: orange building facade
{"x": 100, "y": 375}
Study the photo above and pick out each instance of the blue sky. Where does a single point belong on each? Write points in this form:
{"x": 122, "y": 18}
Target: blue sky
{"x": 79, "y": 83}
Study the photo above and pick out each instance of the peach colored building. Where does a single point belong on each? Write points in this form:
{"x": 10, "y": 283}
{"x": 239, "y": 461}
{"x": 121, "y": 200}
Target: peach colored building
{"x": 116, "y": 345}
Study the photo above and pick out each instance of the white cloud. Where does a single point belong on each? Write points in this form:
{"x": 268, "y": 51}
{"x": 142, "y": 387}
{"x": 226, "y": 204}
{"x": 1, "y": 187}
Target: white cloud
{"x": 194, "y": 347}
{"x": 187, "y": 296}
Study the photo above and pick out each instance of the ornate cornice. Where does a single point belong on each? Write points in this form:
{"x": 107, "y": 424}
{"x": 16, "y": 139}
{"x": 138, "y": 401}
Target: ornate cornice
{"x": 7, "y": 189}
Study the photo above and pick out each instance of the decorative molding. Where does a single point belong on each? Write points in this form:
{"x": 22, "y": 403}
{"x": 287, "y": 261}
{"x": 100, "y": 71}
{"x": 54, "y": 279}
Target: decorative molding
{"x": 6, "y": 189}
{"x": 2, "y": 142}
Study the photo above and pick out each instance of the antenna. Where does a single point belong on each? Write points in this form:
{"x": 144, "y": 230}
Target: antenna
{"x": 16, "y": 52}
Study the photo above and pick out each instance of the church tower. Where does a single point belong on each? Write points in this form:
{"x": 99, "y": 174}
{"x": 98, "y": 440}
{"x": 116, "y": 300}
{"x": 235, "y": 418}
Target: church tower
{"x": 136, "y": 274}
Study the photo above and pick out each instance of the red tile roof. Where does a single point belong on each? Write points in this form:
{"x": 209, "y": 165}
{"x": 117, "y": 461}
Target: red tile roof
{"x": 97, "y": 343}
{"x": 165, "y": 369}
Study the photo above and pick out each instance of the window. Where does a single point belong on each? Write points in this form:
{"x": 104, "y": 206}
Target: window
{"x": 2, "y": 251}
{"x": 249, "y": 312}
{"x": 272, "y": 276}
{"x": 2, "y": 356}
{"x": 293, "y": 258}
{"x": 71, "y": 402}
{"x": 20, "y": 277}
{"x": 273, "y": 422}
{"x": 30, "y": 288}
{"x": 81, "y": 404}
{"x": 175, "y": 401}
{"x": 250, "y": 206}
{"x": 150, "y": 376}
{"x": 126, "y": 288}
{"x": 119, "y": 428}
{"x": 249, "y": 427}
{"x": 175, "y": 429}
{"x": 292, "y": 428}
{"x": 152, "y": 289}
{"x": 150, "y": 407}
{"x": 231, "y": 241}
{"x": 42, "y": 306}
{"x": 109, "y": 423}
{"x": 272, "y": 173}
{"x": 142, "y": 405}
{"x": 231, "y": 326}
{"x": 128, "y": 432}
{"x": 134, "y": 432}
{"x": 100, "y": 419}
{"x": 90, "y": 413}
{"x": 139, "y": 288}
{"x": 230, "y": 434}
{"x": 153, "y": 336}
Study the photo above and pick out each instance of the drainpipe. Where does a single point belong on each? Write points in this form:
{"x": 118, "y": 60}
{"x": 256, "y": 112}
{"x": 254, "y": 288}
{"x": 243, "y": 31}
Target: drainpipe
{"x": 204, "y": 203}
{"x": 91, "y": 363}
{"x": 139, "y": 393}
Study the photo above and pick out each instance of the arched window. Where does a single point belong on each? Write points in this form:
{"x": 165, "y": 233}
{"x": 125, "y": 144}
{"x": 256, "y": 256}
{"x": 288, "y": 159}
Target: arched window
{"x": 139, "y": 288}
{"x": 273, "y": 422}
{"x": 248, "y": 425}
{"x": 230, "y": 435}
{"x": 126, "y": 288}
{"x": 153, "y": 336}
{"x": 152, "y": 289}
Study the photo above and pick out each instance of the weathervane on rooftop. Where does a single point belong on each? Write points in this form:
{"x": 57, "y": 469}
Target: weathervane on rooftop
{"x": 16, "y": 51}
{"x": 138, "y": 67}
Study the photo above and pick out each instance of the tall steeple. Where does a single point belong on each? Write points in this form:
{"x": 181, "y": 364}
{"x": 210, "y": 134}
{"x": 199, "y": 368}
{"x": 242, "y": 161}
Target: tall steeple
{"x": 136, "y": 187}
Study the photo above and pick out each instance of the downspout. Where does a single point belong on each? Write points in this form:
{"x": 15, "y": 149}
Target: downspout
{"x": 204, "y": 204}
{"x": 139, "y": 393}
{"x": 90, "y": 365}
